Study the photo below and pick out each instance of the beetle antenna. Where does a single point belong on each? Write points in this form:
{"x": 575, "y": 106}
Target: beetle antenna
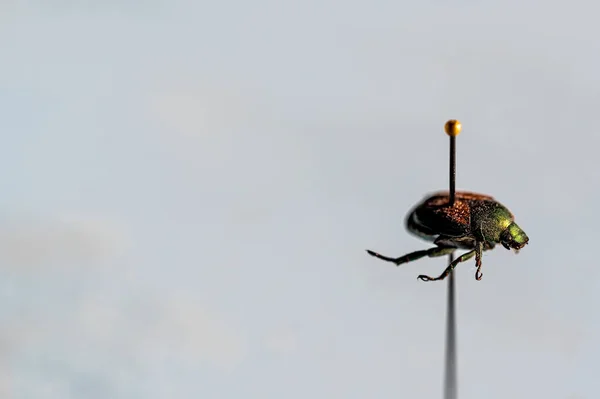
{"x": 452, "y": 128}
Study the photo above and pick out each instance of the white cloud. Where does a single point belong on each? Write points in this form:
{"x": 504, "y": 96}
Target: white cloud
{"x": 112, "y": 343}
{"x": 29, "y": 242}
{"x": 198, "y": 332}
{"x": 156, "y": 328}
{"x": 200, "y": 111}
{"x": 282, "y": 342}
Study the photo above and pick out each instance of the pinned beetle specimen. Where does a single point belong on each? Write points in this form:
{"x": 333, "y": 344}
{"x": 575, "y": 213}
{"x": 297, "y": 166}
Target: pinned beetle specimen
{"x": 475, "y": 222}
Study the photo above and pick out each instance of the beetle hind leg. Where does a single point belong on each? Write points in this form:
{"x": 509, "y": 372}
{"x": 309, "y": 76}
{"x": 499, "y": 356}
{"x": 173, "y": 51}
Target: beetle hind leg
{"x": 464, "y": 257}
{"x": 431, "y": 252}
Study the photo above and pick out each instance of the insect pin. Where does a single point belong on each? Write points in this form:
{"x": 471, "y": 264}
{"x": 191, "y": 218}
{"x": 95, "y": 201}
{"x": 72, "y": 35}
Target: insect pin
{"x": 475, "y": 222}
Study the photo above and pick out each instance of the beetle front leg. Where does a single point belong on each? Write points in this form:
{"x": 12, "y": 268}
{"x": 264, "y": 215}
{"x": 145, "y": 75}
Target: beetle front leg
{"x": 431, "y": 252}
{"x": 451, "y": 266}
{"x": 478, "y": 255}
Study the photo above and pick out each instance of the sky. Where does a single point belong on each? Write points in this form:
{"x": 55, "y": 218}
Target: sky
{"x": 189, "y": 187}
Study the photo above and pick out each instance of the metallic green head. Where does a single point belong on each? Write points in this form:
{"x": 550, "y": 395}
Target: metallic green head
{"x": 513, "y": 237}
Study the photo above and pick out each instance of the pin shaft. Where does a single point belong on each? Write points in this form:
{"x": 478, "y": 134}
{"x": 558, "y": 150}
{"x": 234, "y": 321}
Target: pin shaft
{"x": 452, "y": 169}
{"x": 450, "y": 378}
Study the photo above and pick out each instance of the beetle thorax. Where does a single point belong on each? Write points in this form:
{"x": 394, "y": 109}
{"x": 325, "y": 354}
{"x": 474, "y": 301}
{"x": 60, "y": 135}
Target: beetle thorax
{"x": 488, "y": 221}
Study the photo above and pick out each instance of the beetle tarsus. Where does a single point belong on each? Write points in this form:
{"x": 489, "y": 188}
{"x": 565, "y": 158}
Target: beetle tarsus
{"x": 451, "y": 266}
{"x": 442, "y": 276}
{"x": 397, "y": 261}
{"x": 400, "y": 260}
{"x": 478, "y": 274}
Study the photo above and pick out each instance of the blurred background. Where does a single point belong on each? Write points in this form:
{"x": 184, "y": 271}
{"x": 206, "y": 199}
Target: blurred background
{"x": 189, "y": 187}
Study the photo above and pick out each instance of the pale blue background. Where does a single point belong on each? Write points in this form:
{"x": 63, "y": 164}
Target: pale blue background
{"x": 188, "y": 189}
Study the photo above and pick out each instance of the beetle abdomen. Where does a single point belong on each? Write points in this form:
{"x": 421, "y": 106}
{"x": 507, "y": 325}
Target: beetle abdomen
{"x": 414, "y": 226}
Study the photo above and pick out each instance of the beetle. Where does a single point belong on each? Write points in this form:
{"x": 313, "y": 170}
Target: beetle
{"x": 476, "y": 222}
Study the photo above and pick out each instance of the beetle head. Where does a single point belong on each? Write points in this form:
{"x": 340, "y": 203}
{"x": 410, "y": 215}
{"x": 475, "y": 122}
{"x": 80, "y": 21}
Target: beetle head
{"x": 513, "y": 237}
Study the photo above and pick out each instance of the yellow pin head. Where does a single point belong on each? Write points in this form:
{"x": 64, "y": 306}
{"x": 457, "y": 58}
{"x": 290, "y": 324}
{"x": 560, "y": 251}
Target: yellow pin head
{"x": 452, "y": 127}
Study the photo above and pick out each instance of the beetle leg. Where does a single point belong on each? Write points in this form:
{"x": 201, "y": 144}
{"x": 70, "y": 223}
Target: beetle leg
{"x": 478, "y": 255}
{"x": 431, "y": 252}
{"x": 451, "y": 266}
